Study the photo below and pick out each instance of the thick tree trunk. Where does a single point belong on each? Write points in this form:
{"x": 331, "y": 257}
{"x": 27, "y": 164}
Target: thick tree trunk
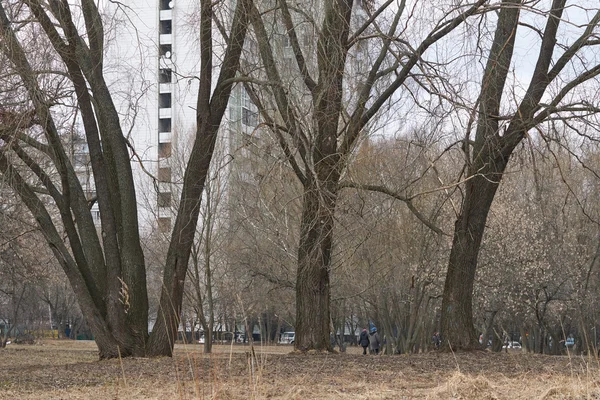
{"x": 458, "y": 330}
{"x": 208, "y": 340}
{"x": 314, "y": 261}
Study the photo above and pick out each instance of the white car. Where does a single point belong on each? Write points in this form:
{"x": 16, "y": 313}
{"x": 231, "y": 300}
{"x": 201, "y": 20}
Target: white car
{"x": 513, "y": 345}
{"x": 287, "y": 338}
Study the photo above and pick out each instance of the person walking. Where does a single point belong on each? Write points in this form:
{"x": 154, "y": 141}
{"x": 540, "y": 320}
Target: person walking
{"x": 364, "y": 341}
{"x": 375, "y": 341}
{"x": 436, "y": 340}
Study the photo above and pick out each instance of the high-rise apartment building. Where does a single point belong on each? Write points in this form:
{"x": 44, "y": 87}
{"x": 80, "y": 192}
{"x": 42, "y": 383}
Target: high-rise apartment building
{"x": 152, "y": 64}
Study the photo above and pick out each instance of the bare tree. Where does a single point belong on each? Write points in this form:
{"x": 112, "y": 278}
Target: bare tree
{"x": 330, "y": 102}
{"x": 107, "y": 270}
{"x": 552, "y": 94}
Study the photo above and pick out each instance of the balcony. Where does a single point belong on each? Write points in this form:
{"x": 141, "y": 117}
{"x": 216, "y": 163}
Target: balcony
{"x": 166, "y": 15}
{"x": 164, "y": 125}
{"x": 165, "y": 186}
{"x": 164, "y": 224}
{"x": 164, "y": 113}
{"x": 164, "y": 177}
{"x": 166, "y": 62}
{"x": 165, "y": 88}
{"x": 165, "y": 53}
{"x": 164, "y": 137}
{"x": 166, "y": 38}
{"x": 166, "y": 4}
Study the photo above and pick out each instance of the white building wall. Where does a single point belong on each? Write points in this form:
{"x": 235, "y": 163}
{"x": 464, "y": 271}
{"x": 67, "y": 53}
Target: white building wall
{"x": 131, "y": 71}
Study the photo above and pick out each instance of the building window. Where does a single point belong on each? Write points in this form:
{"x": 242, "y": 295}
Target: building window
{"x": 165, "y": 27}
{"x": 164, "y": 100}
{"x": 164, "y": 174}
{"x": 246, "y": 100}
{"x": 164, "y": 224}
{"x": 81, "y": 159}
{"x": 251, "y": 46}
{"x": 308, "y": 37}
{"x": 289, "y": 64}
{"x": 164, "y": 199}
{"x": 251, "y": 50}
{"x": 164, "y": 150}
{"x": 164, "y": 125}
{"x": 165, "y": 50}
{"x": 166, "y": 4}
{"x": 165, "y": 75}
{"x": 248, "y": 117}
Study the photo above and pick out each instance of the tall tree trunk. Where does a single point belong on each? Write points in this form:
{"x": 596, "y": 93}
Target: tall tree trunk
{"x": 321, "y": 185}
{"x": 210, "y": 111}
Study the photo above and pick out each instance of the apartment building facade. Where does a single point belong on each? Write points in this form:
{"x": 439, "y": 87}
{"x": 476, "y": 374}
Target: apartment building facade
{"x": 152, "y": 64}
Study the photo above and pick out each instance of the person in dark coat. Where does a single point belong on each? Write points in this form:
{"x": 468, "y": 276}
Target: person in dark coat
{"x": 363, "y": 340}
{"x": 375, "y": 341}
{"x": 436, "y": 340}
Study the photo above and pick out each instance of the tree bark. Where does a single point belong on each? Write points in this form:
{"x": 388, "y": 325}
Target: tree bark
{"x": 457, "y": 314}
{"x": 314, "y": 262}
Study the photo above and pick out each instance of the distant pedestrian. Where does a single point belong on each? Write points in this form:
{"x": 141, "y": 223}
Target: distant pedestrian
{"x": 375, "y": 341}
{"x": 436, "y": 340}
{"x": 364, "y": 341}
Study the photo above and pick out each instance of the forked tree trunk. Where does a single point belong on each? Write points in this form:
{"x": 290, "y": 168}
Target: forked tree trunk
{"x": 321, "y": 185}
{"x": 491, "y": 151}
{"x": 490, "y": 157}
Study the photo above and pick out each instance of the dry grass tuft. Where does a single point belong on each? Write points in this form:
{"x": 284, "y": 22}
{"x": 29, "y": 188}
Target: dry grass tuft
{"x": 461, "y": 386}
{"x": 572, "y": 388}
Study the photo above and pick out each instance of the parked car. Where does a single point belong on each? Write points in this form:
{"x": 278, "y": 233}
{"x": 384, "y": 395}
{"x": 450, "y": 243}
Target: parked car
{"x": 513, "y": 345}
{"x": 287, "y": 338}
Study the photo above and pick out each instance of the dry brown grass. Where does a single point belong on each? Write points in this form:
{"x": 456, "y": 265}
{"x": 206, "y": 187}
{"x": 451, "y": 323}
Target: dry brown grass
{"x": 70, "y": 370}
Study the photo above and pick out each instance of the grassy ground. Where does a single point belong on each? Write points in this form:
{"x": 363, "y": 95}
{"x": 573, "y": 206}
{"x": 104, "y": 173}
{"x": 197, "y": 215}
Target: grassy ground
{"x": 70, "y": 370}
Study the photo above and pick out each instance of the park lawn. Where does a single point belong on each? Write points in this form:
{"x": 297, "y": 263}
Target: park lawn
{"x": 71, "y": 370}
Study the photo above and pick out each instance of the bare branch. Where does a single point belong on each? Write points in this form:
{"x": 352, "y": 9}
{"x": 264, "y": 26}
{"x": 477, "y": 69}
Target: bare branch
{"x": 397, "y": 196}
